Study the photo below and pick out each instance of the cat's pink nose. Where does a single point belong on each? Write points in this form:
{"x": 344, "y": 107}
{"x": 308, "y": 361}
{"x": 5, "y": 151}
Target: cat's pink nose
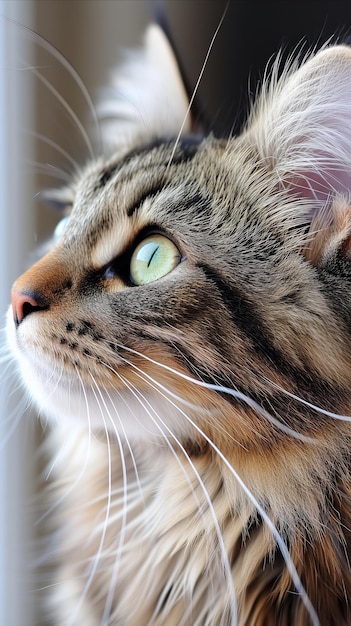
{"x": 23, "y": 304}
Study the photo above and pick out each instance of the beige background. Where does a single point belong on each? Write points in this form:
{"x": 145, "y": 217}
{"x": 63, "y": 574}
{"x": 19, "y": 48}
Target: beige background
{"x": 92, "y": 35}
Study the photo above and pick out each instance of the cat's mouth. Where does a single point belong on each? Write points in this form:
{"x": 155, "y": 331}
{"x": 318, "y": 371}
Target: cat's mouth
{"x": 70, "y": 347}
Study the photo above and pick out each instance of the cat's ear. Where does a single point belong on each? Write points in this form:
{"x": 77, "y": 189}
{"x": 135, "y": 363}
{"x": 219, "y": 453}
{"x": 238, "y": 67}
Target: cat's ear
{"x": 147, "y": 99}
{"x": 302, "y": 128}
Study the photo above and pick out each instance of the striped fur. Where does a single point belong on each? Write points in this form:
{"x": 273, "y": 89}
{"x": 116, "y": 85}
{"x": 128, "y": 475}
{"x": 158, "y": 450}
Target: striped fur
{"x": 199, "y": 439}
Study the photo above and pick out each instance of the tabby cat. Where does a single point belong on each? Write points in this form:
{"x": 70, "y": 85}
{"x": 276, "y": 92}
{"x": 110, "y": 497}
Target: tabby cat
{"x": 188, "y": 339}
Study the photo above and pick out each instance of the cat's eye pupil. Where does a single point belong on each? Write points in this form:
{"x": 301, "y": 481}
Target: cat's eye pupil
{"x": 154, "y": 257}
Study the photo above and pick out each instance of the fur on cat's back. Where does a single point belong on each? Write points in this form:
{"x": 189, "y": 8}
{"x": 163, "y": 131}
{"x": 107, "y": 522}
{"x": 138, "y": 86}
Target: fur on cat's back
{"x": 188, "y": 339}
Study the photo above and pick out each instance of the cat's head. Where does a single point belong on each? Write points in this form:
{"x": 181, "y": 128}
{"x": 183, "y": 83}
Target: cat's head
{"x": 200, "y": 288}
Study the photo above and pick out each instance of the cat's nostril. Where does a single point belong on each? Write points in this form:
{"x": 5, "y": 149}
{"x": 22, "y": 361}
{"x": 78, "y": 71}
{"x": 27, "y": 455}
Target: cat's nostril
{"x": 23, "y": 304}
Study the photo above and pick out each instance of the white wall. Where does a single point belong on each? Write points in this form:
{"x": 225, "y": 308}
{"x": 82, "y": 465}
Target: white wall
{"x": 16, "y": 236}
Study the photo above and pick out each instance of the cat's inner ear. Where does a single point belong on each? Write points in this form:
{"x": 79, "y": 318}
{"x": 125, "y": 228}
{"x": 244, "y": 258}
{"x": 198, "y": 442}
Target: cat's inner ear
{"x": 330, "y": 232}
{"x": 147, "y": 99}
{"x": 302, "y": 128}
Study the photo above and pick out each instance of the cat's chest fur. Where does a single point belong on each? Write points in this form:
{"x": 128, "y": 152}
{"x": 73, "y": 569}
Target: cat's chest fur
{"x": 162, "y": 529}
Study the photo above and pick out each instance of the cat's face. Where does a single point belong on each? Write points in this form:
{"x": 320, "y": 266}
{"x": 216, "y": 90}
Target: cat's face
{"x": 190, "y": 289}
{"x": 124, "y": 284}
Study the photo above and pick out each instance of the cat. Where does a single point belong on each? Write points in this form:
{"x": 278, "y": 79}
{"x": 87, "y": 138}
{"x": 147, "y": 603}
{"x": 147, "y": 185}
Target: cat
{"x": 188, "y": 340}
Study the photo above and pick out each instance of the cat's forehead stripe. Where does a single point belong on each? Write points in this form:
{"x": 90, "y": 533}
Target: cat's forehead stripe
{"x": 149, "y": 193}
{"x": 105, "y": 176}
{"x": 127, "y": 204}
{"x": 106, "y": 249}
{"x": 186, "y": 149}
{"x": 98, "y": 208}
{"x": 121, "y": 233}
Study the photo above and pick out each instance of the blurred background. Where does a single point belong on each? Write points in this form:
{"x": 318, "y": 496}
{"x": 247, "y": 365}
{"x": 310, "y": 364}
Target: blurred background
{"x": 42, "y": 105}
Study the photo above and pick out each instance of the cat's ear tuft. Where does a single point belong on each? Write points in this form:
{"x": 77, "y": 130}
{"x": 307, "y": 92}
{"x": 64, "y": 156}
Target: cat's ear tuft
{"x": 302, "y": 129}
{"x": 302, "y": 125}
{"x": 147, "y": 99}
{"x": 330, "y": 233}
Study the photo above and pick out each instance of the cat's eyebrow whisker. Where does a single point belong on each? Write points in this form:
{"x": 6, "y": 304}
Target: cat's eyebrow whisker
{"x": 65, "y": 63}
{"x": 191, "y": 101}
{"x": 49, "y": 170}
{"x": 56, "y": 146}
{"x": 74, "y": 117}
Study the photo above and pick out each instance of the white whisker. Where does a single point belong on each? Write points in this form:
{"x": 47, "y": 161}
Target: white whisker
{"x": 228, "y": 391}
{"x": 49, "y": 170}
{"x": 156, "y": 385}
{"x": 51, "y": 49}
{"x": 279, "y": 540}
{"x": 160, "y": 422}
{"x": 191, "y": 101}
{"x": 60, "y": 500}
{"x": 98, "y": 554}
{"x": 111, "y": 590}
{"x": 53, "y": 144}
{"x": 125, "y": 438}
{"x": 67, "y": 108}
{"x": 15, "y": 417}
{"x": 318, "y": 409}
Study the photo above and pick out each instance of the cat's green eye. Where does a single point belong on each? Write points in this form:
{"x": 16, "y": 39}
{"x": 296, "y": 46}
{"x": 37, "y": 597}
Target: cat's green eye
{"x": 153, "y": 258}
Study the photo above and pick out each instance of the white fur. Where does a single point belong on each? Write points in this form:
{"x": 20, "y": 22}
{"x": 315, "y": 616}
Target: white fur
{"x": 147, "y": 97}
{"x": 302, "y": 126}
